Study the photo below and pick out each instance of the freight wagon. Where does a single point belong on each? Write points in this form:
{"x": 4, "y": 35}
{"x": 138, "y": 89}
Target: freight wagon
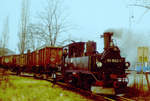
{"x": 46, "y": 60}
{"x": 41, "y": 61}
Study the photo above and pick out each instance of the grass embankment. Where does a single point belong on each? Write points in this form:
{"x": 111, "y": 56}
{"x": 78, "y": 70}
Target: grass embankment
{"x": 28, "y": 89}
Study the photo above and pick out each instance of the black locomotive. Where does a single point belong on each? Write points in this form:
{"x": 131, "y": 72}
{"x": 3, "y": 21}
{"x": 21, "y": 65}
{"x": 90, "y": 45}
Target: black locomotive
{"x": 86, "y": 68}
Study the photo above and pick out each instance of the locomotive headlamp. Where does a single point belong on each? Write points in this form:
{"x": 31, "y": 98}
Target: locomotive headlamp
{"x": 127, "y": 64}
{"x": 99, "y": 64}
{"x": 120, "y": 79}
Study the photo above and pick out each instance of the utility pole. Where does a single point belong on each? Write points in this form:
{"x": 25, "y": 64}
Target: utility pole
{"x": 139, "y": 3}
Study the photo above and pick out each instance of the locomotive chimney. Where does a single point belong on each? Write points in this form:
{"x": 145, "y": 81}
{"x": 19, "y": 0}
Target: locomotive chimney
{"x": 107, "y": 39}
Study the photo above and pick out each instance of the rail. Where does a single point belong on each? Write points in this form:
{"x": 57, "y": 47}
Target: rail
{"x": 85, "y": 93}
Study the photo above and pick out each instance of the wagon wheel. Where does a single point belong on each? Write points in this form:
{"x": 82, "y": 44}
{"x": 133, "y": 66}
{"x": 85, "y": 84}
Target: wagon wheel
{"x": 87, "y": 84}
{"x": 44, "y": 76}
{"x": 75, "y": 82}
{"x": 68, "y": 78}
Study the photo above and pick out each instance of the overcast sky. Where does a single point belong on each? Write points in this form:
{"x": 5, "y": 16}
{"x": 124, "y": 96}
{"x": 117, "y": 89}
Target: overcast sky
{"x": 90, "y": 17}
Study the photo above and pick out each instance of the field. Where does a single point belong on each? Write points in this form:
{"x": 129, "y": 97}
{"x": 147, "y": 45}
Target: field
{"x": 28, "y": 89}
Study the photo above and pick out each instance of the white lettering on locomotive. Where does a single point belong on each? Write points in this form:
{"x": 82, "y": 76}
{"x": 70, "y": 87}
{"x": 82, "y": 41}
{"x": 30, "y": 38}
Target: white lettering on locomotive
{"x": 114, "y": 60}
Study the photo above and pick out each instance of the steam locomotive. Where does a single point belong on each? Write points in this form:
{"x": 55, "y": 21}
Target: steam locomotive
{"x": 78, "y": 63}
{"x": 100, "y": 72}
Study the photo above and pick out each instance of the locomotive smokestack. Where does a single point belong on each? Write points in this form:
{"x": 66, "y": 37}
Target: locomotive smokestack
{"x": 107, "y": 39}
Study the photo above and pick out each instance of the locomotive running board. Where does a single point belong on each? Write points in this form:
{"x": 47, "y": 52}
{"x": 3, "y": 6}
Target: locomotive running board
{"x": 101, "y": 90}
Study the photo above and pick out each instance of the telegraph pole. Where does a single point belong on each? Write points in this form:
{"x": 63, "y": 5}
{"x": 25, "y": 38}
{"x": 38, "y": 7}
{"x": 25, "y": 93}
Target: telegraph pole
{"x": 142, "y": 4}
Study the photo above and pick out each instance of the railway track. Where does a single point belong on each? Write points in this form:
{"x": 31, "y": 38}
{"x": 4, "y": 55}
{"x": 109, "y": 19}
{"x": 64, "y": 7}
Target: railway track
{"x": 85, "y": 93}
{"x": 96, "y": 97}
{"x": 124, "y": 99}
{"x": 82, "y": 92}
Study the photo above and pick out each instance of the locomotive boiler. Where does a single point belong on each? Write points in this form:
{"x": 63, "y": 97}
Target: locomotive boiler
{"x": 86, "y": 68}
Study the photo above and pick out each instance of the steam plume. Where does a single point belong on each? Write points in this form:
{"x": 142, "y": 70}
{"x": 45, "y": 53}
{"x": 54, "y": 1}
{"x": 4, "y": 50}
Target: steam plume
{"x": 128, "y": 41}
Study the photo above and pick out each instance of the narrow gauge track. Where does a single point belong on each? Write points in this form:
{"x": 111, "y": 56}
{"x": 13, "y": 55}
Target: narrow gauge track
{"x": 118, "y": 98}
{"x": 96, "y": 97}
{"x": 85, "y": 93}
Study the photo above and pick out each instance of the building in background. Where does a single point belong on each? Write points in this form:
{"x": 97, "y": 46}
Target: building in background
{"x": 6, "y": 51}
{"x": 143, "y": 63}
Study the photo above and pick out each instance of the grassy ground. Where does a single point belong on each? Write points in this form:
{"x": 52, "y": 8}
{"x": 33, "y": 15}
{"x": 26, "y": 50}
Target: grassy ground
{"x": 28, "y": 89}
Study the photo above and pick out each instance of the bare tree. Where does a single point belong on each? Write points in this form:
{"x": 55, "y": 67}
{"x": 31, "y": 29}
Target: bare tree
{"x": 5, "y": 36}
{"x": 31, "y": 37}
{"x": 52, "y": 22}
{"x": 23, "y": 27}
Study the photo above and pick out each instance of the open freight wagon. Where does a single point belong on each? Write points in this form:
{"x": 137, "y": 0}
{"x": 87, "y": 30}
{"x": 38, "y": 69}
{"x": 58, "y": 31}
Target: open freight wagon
{"x": 41, "y": 61}
{"x": 45, "y": 60}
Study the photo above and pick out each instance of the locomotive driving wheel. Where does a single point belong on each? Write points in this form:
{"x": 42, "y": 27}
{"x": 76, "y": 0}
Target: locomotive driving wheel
{"x": 87, "y": 85}
{"x": 68, "y": 78}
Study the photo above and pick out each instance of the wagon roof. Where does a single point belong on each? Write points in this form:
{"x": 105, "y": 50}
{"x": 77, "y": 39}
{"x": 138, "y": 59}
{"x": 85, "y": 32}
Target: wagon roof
{"x": 47, "y": 46}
